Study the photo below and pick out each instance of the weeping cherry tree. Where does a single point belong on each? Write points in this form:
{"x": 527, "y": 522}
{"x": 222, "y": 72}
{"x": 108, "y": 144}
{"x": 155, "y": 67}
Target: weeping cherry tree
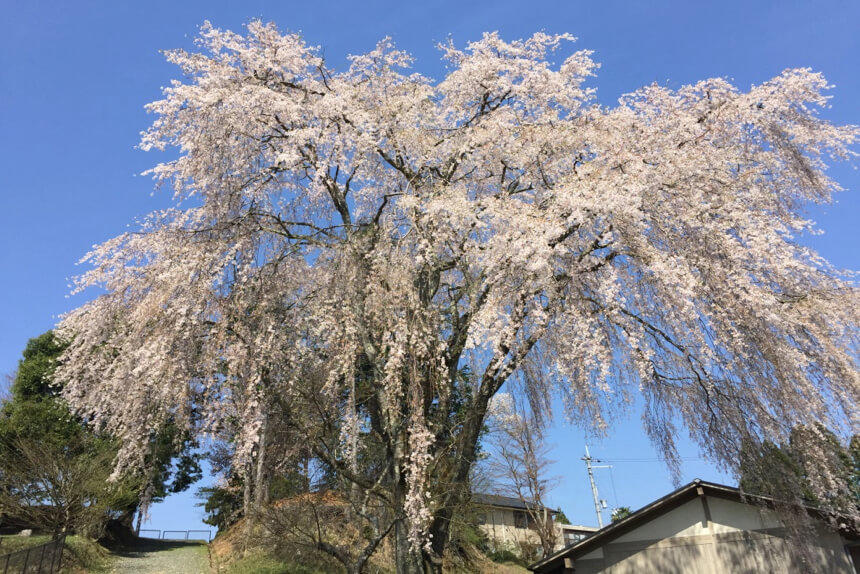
{"x": 374, "y": 253}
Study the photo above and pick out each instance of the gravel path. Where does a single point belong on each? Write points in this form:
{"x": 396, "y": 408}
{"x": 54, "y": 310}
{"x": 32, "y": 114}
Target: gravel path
{"x": 163, "y": 558}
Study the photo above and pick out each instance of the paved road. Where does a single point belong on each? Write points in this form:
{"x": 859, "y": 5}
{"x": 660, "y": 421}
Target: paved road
{"x": 163, "y": 558}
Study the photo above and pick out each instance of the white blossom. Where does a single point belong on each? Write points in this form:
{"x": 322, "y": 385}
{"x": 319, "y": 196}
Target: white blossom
{"x": 376, "y": 223}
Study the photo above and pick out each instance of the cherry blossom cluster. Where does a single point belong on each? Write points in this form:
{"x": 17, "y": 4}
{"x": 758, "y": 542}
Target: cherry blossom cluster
{"x": 378, "y": 253}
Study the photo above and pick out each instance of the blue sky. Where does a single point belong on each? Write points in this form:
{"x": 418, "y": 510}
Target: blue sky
{"x": 74, "y": 77}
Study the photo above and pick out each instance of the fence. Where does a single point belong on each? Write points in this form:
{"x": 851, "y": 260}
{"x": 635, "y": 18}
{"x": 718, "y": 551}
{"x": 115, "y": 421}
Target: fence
{"x": 205, "y": 535}
{"x": 45, "y": 558}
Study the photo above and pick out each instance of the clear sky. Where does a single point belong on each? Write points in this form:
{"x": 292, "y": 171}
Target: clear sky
{"x": 74, "y": 77}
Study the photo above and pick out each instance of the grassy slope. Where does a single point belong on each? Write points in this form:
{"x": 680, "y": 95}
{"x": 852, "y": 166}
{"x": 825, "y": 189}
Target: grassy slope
{"x": 257, "y": 563}
{"x": 85, "y": 555}
{"x": 79, "y": 554}
{"x": 14, "y": 543}
{"x": 228, "y": 558}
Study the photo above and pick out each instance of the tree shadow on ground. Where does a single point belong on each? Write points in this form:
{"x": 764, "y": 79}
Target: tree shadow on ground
{"x": 142, "y": 545}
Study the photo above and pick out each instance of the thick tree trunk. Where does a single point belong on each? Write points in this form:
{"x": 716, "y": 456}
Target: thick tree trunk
{"x": 126, "y": 518}
{"x": 406, "y": 561}
{"x": 261, "y": 487}
{"x": 246, "y": 492}
{"x": 432, "y": 563}
{"x": 440, "y": 528}
{"x": 247, "y": 512}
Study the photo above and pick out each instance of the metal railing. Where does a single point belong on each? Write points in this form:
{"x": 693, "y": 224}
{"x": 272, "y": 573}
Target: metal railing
{"x": 172, "y": 535}
{"x": 44, "y": 558}
{"x": 192, "y": 535}
{"x": 204, "y": 535}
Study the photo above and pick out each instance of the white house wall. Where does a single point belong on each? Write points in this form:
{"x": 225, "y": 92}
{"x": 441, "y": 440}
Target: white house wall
{"x": 686, "y": 520}
{"x": 738, "y": 538}
{"x": 730, "y": 516}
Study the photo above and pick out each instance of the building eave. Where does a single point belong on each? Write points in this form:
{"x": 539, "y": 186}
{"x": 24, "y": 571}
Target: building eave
{"x": 645, "y": 514}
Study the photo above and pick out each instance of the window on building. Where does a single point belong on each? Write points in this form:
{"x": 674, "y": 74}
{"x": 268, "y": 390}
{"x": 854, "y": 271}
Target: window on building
{"x": 572, "y": 537}
{"x": 521, "y": 519}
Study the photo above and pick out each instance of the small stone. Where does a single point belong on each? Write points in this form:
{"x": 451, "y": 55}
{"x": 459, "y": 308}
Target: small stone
{"x": 27, "y": 532}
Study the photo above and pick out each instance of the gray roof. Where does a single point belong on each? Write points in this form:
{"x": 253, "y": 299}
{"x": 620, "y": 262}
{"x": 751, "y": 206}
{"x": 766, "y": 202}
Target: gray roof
{"x": 500, "y": 501}
{"x": 551, "y": 563}
{"x": 647, "y": 513}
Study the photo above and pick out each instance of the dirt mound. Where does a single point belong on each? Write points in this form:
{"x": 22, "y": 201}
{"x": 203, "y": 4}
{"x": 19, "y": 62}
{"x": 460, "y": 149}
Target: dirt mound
{"x": 278, "y": 531}
{"x": 227, "y": 543}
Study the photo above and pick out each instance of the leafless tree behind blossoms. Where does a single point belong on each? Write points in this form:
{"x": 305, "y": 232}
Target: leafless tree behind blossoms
{"x": 419, "y": 242}
{"x": 518, "y": 460}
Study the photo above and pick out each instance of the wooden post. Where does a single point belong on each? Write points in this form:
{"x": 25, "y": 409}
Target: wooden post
{"x": 705, "y": 508}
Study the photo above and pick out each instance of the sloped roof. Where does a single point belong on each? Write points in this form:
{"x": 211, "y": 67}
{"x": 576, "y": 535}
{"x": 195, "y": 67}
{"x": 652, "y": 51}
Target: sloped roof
{"x": 645, "y": 514}
{"x": 500, "y": 501}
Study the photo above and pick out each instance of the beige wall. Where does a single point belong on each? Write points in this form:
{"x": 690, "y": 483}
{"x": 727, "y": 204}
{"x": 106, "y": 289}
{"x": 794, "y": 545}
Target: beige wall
{"x": 739, "y": 538}
{"x": 500, "y": 528}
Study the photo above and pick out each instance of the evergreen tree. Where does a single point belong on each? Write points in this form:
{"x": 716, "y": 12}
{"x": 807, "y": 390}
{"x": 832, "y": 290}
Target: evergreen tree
{"x": 36, "y": 418}
{"x": 813, "y": 456}
{"x": 620, "y": 513}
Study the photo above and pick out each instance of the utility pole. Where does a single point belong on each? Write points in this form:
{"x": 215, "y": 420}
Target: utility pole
{"x": 587, "y": 458}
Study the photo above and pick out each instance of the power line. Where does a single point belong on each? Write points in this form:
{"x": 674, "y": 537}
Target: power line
{"x": 589, "y": 466}
{"x": 612, "y": 481}
{"x": 683, "y": 458}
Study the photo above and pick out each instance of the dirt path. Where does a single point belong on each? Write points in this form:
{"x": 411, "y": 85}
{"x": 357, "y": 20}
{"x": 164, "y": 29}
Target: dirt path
{"x": 157, "y": 557}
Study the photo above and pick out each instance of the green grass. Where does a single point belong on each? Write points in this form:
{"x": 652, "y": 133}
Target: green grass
{"x": 260, "y": 564}
{"x": 79, "y": 553}
{"x": 85, "y": 554}
{"x": 14, "y": 543}
{"x": 505, "y": 556}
